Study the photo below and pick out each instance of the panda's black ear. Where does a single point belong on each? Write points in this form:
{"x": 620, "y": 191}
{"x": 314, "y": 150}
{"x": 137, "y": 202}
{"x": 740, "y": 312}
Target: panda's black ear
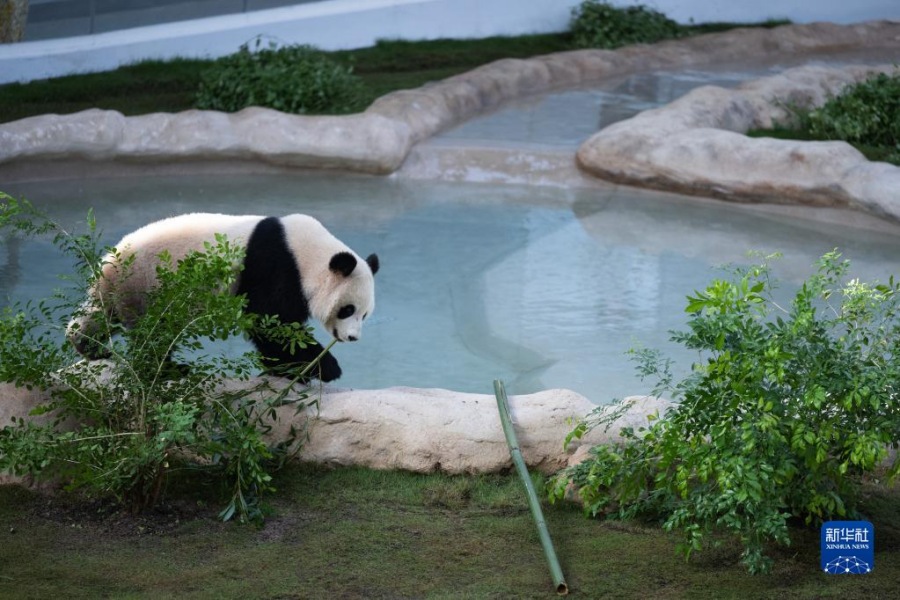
{"x": 343, "y": 263}
{"x": 372, "y": 260}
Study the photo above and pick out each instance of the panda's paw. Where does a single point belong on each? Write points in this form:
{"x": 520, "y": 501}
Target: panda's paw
{"x": 328, "y": 368}
{"x": 90, "y": 348}
{"x": 172, "y": 370}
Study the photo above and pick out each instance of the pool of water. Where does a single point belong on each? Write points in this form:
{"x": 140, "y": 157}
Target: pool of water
{"x": 542, "y": 288}
{"x": 566, "y": 118}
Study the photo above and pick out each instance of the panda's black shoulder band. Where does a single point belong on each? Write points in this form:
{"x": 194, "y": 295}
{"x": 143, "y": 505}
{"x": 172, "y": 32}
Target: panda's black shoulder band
{"x": 271, "y": 279}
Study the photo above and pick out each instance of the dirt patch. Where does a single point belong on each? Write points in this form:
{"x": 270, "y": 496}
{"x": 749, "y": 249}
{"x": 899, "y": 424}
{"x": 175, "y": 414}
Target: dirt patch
{"x": 106, "y": 516}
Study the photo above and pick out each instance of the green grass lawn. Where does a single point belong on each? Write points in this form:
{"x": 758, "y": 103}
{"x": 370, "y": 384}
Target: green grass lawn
{"x": 170, "y": 86}
{"x": 355, "y": 533}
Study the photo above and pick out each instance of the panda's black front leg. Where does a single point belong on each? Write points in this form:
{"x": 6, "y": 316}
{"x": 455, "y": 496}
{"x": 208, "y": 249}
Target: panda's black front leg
{"x": 278, "y": 360}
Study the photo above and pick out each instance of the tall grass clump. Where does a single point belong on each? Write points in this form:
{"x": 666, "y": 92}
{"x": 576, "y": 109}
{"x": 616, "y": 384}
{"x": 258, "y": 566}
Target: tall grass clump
{"x": 294, "y": 79}
{"x": 119, "y": 426}
{"x": 789, "y": 412}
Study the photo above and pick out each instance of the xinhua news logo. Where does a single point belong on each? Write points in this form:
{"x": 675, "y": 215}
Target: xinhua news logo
{"x": 848, "y": 547}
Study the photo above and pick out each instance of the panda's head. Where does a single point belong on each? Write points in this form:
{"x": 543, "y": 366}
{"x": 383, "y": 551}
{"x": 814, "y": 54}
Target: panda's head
{"x": 350, "y": 296}
{"x": 338, "y": 285}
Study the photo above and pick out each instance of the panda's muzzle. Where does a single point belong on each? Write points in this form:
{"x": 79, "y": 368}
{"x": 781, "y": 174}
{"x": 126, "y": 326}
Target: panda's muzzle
{"x": 350, "y": 338}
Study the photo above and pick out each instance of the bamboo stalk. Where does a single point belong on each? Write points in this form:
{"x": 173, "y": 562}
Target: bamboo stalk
{"x": 316, "y": 360}
{"x": 506, "y": 421}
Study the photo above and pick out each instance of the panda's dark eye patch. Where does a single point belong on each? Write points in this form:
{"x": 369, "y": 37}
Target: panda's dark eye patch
{"x": 346, "y": 311}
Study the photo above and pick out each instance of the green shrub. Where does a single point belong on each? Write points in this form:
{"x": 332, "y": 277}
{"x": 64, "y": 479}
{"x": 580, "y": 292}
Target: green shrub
{"x": 864, "y": 113}
{"x": 597, "y": 24}
{"x": 294, "y": 79}
{"x": 787, "y": 414}
{"x": 139, "y": 414}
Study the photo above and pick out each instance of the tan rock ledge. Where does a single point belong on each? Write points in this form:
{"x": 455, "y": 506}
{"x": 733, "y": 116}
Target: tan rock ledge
{"x": 423, "y": 430}
{"x": 696, "y": 145}
{"x": 379, "y": 139}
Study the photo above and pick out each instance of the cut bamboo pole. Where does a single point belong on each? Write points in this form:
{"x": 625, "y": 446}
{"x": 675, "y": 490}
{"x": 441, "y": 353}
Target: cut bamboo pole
{"x": 316, "y": 360}
{"x": 506, "y": 421}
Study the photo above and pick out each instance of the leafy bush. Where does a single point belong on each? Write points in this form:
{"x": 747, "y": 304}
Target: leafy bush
{"x": 864, "y": 113}
{"x": 791, "y": 409}
{"x": 119, "y": 426}
{"x": 295, "y": 79}
{"x": 597, "y": 24}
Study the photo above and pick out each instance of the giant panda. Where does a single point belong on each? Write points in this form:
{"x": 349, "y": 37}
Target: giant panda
{"x": 293, "y": 268}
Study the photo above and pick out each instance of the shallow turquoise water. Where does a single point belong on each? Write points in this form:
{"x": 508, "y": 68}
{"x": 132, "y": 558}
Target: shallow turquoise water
{"x": 539, "y": 287}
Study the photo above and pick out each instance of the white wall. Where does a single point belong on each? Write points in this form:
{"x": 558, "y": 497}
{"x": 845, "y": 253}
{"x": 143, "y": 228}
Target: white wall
{"x": 340, "y": 24}
{"x": 331, "y": 25}
{"x": 798, "y": 11}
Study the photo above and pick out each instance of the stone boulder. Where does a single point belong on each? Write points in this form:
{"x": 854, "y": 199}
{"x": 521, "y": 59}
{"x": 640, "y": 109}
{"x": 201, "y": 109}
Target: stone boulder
{"x": 365, "y": 142}
{"x": 422, "y": 430}
{"x": 696, "y": 145}
{"x": 426, "y": 430}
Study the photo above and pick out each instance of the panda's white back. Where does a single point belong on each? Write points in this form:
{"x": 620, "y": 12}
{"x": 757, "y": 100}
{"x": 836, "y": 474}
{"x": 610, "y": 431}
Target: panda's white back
{"x": 179, "y": 235}
{"x": 311, "y": 244}
{"x": 176, "y": 235}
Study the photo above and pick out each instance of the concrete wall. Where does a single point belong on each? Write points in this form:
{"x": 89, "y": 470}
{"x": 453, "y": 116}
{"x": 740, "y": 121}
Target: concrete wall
{"x": 340, "y": 24}
{"x": 798, "y": 11}
{"x": 331, "y": 25}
